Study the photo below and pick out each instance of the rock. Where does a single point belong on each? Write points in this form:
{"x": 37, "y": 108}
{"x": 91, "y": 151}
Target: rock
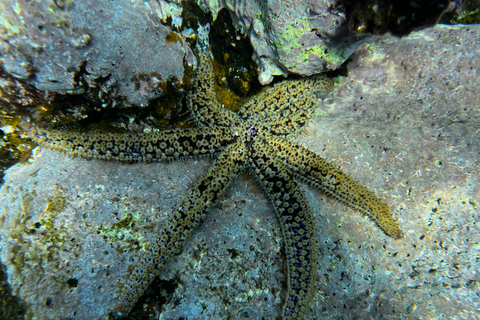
{"x": 403, "y": 123}
{"x": 309, "y": 37}
{"x": 292, "y": 36}
{"x": 117, "y": 51}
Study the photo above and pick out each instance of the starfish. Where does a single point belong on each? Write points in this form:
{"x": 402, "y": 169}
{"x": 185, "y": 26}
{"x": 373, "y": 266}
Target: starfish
{"x": 259, "y": 138}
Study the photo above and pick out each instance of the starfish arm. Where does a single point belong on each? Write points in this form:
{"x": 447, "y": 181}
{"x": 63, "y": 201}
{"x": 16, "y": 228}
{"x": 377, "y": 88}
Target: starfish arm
{"x": 318, "y": 173}
{"x": 287, "y": 107}
{"x": 156, "y": 146}
{"x": 297, "y": 225}
{"x": 187, "y": 215}
{"x": 203, "y": 101}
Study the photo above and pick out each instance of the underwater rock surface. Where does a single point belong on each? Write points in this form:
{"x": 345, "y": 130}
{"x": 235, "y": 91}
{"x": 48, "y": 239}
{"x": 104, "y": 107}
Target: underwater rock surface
{"x": 404, "y": 123}
{"x": 294, "y": 36}
{"x": 308, "y": 37}
{"x": 118, "y": 50}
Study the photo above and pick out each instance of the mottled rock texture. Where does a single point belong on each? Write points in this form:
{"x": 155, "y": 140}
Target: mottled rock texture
{"x": 118, "y": 50}
{"x": 308, "y": 37}
{"x": 404, "y": 122}
{"x": 302, "y": 37}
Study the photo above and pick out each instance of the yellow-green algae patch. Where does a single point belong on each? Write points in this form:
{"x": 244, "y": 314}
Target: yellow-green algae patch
{"x": 291, "y": 39}
{"x": 45, "y": 238}
{"x": 125, "y": 230}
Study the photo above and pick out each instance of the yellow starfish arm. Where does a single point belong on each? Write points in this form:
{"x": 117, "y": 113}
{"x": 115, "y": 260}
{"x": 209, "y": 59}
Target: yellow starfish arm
{"x": 317, "y": 172}
{"x": 287, "y": 107}
{"x": 156, "y": 146}
{"x": 203, "y": 101}
{"x": 187, "y": 215}
{"x": 297, "y": 225}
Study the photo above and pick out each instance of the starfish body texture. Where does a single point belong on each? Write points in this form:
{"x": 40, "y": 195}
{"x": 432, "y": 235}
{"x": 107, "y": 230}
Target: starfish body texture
{"x": 258, "y": 138}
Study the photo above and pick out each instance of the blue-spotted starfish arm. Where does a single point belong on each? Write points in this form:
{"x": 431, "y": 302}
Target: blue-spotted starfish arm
{"x": 317, "y": 172}
{"x": 165, "y": 145}
{"x": 287, "y": 107}
{"x": 259, "y": 138}
{"x": 189, "y": 213}
{"x": 297, "y": 225}
{"x": 203, "y": 103}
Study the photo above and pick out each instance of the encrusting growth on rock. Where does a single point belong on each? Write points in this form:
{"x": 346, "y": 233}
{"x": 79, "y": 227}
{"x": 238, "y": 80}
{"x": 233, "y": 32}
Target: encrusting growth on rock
{"x": 257, "y": 138}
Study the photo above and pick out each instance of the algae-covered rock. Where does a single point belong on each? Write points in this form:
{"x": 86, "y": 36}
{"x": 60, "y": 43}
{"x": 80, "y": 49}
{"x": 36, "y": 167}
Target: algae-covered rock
{"x": 308, "y": 37}
{"x": 293, "y": 36}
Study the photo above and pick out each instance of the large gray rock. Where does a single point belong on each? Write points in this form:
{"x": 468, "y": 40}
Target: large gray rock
{"x": 294, "y": 36}
{"x": 118, "y": 50}
{"x": 404, "y": 123}
{"x": 308, "y": 37}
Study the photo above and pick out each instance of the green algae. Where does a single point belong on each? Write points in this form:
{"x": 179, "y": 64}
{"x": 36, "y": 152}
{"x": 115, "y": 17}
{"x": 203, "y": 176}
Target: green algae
{"x": 55, "y": 204}
{"x": 291, "y": 40}
{"x": 124, "y": 230}
{"x": 42, "y": 239}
